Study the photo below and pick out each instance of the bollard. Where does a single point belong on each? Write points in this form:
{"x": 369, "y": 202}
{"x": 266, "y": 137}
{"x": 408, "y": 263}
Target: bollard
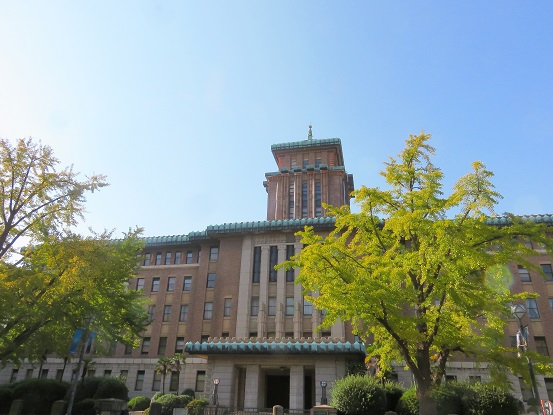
{"x": 155, "y": 408}
{"x": 58, "y": 408}
{"x": 17, "y": 407}
{"x": 278, "y": 410}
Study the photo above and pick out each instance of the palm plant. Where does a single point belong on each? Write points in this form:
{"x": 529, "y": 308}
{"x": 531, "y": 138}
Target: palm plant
{"x": 176, "y": 364}
{"x": 163, "y": 367}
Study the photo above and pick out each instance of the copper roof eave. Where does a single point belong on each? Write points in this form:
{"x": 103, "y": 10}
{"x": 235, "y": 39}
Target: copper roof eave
{"x": 309, "y": 144}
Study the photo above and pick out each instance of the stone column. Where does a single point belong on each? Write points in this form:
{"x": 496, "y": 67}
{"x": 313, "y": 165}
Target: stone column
{"x": 281, "y": 292}
{"x": 251, "y": 397}
{"x": 244, "y": 292}
{"x": 296, "y": 387}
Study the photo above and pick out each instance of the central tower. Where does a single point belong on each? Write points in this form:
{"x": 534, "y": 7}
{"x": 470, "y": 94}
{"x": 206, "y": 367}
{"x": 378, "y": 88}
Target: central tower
{"x": 310, "y": 173}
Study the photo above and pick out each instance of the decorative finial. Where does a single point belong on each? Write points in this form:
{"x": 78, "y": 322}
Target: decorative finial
{"x": 310, "y": 133}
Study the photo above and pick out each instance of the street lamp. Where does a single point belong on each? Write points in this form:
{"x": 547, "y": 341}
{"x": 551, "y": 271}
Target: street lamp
{"x": 323, "y": 397}
{"x": 215, "y": 396}
{"x": 522, "y": 343}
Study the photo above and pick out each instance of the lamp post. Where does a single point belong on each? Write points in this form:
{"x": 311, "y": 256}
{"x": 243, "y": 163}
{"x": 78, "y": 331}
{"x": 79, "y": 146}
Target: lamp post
{"x": 215, "y": 396}
{"x": 522, "y": 343}
{"x": 323, "y": 396}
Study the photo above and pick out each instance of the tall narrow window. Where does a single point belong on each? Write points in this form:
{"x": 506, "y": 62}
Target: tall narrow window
{"x": 179, "y": 345}
{"x": 546, "y": 268}
{"x": 158, "y": 258}
{"x": 167, "y": 312}
{"x": 254, "y": 309}
{"x": 211, "y": 280}
{"x": 289, "y": 254}
{"x": 208, "y": 311}
{"x": 307, "y": 308}
{"x": 291, "y": 201}
{"x": 147, "y": 259}
{"x": 523, "y": 274}
{"x": 541, "y": 345}
{"x": 155, "y": 284}
{"x": 177, "y": 257}
{"x": 272, "y": 306}
{"x": 213, "y": 253}
{"x": 318, "y": 199}
{"x": 151, "y": 312}
{"x": 162, "y": 346}
{"x": 168, "y": 258}
{"x": 156, "y": 383}
{"x": 227, "y": 309}
{"x": 187, "y": 284}
{"x": 273, "y": 261}
{"x": 304, "y": 198}
{"x": 171, "y": 283}
{"x": 256, "y": 274}
{"x": 289, "y": 306}
{"x": 183, "y": 315}
{"x": 13, "y": 377}
{"x": 318, "y": 162}
{"x": 189, "y": 257}
{"x": 200, "y": 380}
{"x": 139, "y": 384}
{"x": 145, "y": 345}
{"x": 139, "y": 284}
{"x": 174, "y": 381}
{"x": 532, "y": 308}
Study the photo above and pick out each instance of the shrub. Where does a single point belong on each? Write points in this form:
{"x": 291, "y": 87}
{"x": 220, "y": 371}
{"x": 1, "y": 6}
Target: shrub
{"x": 189, "y": 392}
{"x": 169, "y": 402}
{"x": 393, "y": 393}
{"x": 139, "y": 403}
{"x": 448, "y": 398}
{"x": 408, "y": 404}
{"x": 6, "y": 397}
{"x": 111, "y": 388}
{"x": 84, "y": 407}
{"x": 357, "y": 395}
{"x": 196, "y": 406}
{"x": 156, "y": 396}
{"x": 39, "y": 394}
{"x": 489, "y": 400}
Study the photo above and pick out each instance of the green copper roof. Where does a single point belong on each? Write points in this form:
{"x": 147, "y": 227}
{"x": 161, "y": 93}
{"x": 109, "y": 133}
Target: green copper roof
{"x": 507, "y": 220}
{"x": 307, "y": 144}
{"x": 175, "y": 239}
{"x": 275, "y": 347}
{"x": 273, "y": 225}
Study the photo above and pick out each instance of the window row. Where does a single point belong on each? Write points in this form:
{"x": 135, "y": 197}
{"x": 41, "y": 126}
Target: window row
{"x": 273, "y": 262}
{"x": 304, "y": 208}
{"x": 183, "y": 311}
{"x": 173, "y": 382}
{"x": 162, "y": 349}
{"x": 524, "y": 274}
{"x": 168, "y": 258}
{"x": 172, "y": 281}
{"x": 272, "y": 307}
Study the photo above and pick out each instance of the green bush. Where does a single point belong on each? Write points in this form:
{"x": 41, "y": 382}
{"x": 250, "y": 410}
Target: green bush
{"x": 393, "y": 393}
{"x": 358, "y": 395}
{"x": 408, "y": 404}
{"x": 101, "y": 388}
{"x": 169, "y": 402}
{"x": 39, "y": 394}
{"x": 448, "y": 398}
{"x": 156, "y": 396}
{"x": 139, "y": 403}
{"x": 189, "y": 392}
{"x": 6, "y": 397}
{"x": 196, "y": 406}
{"x": 488, "y": 400}
{"x": 84, "y": 407}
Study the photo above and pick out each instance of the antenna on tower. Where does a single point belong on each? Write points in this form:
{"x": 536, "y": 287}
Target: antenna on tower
{"x": 310, "y": 133}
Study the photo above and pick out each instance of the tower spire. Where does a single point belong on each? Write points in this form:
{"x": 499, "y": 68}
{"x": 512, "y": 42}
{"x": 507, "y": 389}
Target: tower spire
{"x": 309, "y": 133}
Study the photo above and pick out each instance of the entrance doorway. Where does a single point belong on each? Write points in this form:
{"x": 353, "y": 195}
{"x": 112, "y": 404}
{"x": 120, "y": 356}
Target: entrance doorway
{"x": 278, "y": 391}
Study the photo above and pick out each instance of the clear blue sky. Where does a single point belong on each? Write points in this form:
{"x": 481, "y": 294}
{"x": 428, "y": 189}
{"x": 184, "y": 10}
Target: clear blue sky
{"x": 178, "y": 102}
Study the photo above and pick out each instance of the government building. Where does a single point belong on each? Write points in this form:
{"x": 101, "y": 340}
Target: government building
{"x": 215, "y": 296}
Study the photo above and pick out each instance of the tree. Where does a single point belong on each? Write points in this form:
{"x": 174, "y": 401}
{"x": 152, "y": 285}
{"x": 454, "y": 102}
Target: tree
{"x": 59, "y": 284}
{"x": 163, "y": 367}
{"x": 421, "y": 274}
{"x": 177, "y": 362}
{"x": 34, "y": 196}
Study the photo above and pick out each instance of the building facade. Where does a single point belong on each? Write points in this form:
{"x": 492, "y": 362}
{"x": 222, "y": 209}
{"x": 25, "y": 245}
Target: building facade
{"x": 216, "y": 297}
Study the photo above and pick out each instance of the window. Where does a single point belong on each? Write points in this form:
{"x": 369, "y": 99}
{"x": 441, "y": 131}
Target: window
{"x": 532, "y": 308}
{"x": 145, "y": 345}
{"x": 177, "y": 257}
{"x": 291, "y": 201}
{"x": 228, "y": 305}
{"x": 256, "y": 275}
{"x": 155, "y": 284}
{"x": 128, "y": 349}
{"x": 183, "y": 315}
{"x": 204, "y": 338}
{"x": 273, "y": 261}
{"x": 156, "y": 384}
{"x": 162, "y": 346}
{"x": 168, "y": 258}
{"x": 272, "y": 306}
{"x": 13, "y": 377}
{"x": 208, "y": 311}
{"x": 59, "y": 375}
{"x": 171, "y": 284}
{"x": 289, "y": 254}
{"x": 174, "y": 381}
{"x": 305, "y": 163}
{"x": 124, "y": 374}
{"x": 29, "y": 374}
{"x": 213, "y": 253}
{"x": 546, "y": 268}
{"x": 541, "y": 346}
{"x": 91, "y": 373}
{"x": 151, "y": 312}
{"x": 318, "y": 199}
{"x": 139, "y": 284}
{"x": 523, "y": 274}
{"x": 307, "y": 308}
{"x": 107, "y": 373}
{"x": 289, "y": 306}
{"x": 549, "y": 387}
{"x": 304, "y": 199}
{"x": 187, "y": 284}
{"x": 179, "y": 345}
{"x": 167, "y": 312}
{"x": 326, "y": 334}
{"x": 211, "y": 280}
{"x": 254, "y": 308}
{"x": 200, "y": 381}
{"x": 158, "y": 258}
{"x": 199, "y": 255}
{"x": 188, "y": 257}
{"x": 139, "y": 384}
{"x": 475, "y": 379}
{"x": 450, "y": 378}
{"x": 147, "y": 259}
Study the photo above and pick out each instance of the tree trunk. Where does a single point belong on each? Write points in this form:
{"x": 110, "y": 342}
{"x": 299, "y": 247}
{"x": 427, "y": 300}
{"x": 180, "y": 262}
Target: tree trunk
{"x": 427, "y": 405}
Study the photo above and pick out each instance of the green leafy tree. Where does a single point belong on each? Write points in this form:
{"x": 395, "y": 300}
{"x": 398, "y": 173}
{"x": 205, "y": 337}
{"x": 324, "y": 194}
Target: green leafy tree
{"x": 422, "y": 274}
{"x": 50, "y": 288}
{"x": 163, "y": 367}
